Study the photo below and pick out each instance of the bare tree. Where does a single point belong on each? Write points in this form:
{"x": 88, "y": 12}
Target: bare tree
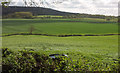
{"x": 31, "y": 29}
{"x": 5, "y": 2}
{"x": 34, "y": 3}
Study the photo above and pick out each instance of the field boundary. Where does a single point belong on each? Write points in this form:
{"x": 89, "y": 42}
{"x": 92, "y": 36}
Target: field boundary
{"x": 91, "y": 21}
{"x": 59, "y": 35}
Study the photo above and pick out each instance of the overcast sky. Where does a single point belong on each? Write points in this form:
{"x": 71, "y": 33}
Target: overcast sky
{"x": 104, "y": 7}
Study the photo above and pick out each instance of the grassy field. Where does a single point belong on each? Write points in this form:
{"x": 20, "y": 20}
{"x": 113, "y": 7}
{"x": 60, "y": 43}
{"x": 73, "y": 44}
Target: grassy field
{"x": 99, "y": 53}
{"x": 48, "y": 16}
{"x": 102, "y": 47}
{"x": 102, "y": 50}
{"x": 59, "y": 26}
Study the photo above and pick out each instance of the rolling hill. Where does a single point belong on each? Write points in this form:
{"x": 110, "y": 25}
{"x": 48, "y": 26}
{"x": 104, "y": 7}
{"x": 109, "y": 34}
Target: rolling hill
{"x": 47, "y": 11}
{"x": 34, "y": 10}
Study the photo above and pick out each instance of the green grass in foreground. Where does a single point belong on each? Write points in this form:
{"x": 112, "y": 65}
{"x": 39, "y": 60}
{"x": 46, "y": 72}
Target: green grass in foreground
{"x": 58, "y": 26}
{"x": 104, "y": 48}
{"x": 98, "y": 53}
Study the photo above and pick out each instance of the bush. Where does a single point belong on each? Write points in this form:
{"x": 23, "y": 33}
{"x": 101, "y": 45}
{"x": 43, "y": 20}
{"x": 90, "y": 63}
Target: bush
{"x": 33, "y": 62}
{"x": 30, "y": 61}
{"x": 6, "y": 52}
{"x": 27, "y": 15}
{"x": 23, "y": 14}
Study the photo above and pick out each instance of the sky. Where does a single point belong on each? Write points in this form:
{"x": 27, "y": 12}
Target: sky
{"x": 102, "y": 7}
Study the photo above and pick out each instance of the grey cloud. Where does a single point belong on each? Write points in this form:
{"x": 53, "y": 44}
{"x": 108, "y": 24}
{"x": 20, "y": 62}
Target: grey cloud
{"x": 20, "y": 3}
{"x": 106, "y": 6}
{"x": 74, "y": 4}
{"x": 102, "y": 4}
{"x": 119, "y": 8}
{"x": 86, "y": 6}
{"x": 113, "y": 2}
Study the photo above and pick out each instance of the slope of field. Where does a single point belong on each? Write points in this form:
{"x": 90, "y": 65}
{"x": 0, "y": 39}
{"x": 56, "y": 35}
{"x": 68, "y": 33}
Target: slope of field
{"x": 100, "y": 51}
{"x": 59, "y": 26}
{"x": 101, "y": 47}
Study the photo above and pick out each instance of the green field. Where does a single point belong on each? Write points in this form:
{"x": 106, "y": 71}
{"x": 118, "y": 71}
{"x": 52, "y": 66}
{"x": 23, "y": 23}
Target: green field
{"x": 48, "y": 16}
{"x": 98, "y": 50}
{"x": 59, "y": 26}
{"x": 102, "y": 47}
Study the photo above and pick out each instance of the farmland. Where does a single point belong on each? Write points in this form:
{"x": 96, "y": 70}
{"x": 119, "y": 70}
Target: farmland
{"x": 59, "y": 26}
{"x": 96, "y": 49}
{"x": 89, "y": 46}
{"x": 101, "y": 50}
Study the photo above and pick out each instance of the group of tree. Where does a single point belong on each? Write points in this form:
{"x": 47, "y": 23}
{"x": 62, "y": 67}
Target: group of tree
{"x": 107, "y": 18}
{"x": 29, "y": 12}
{"x": 27, "y": 15}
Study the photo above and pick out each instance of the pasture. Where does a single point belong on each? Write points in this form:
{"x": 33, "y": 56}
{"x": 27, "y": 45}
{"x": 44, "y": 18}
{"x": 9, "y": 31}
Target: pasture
{"x": 99, "y": 52}
{"x": 102, "y": 50}
{"x": 102, "y": 47}
{"x": 59, "y": 26}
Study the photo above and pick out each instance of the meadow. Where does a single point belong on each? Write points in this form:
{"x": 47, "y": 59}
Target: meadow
{"x": 89, "y": 51}
{"x": 101, "y": 47}
{"x": 59, "y": 26}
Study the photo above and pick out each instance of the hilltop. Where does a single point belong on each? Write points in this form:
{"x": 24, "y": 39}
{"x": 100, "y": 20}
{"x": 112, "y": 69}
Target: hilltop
{"x": 34, "y": 10}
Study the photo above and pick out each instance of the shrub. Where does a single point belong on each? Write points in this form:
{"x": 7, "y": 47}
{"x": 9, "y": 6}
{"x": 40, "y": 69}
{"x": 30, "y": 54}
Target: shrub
{"x": 23, "y": 14}
{"x": 6, "y": 52}
{"x": 30, "y": 61}
{"x": 27, "y": 15}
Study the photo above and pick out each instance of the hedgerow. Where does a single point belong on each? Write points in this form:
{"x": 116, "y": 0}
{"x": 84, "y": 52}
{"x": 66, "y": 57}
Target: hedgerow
{"x": 31, "y": 61}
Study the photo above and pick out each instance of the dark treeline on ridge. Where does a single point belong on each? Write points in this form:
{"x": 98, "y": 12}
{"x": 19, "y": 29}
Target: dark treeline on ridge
{"x": 36, "y": 11}
{"x": 33, "y": 10}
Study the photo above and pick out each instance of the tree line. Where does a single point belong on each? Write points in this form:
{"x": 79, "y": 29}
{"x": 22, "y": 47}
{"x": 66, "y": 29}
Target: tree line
{"x": 32, "y": 12}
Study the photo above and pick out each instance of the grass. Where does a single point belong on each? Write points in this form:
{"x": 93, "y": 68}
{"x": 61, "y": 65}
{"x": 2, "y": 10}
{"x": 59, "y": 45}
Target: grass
{"x": 48, "y": 16}
{"x": 59, "y": 26}
{"x": 101, "y": 47}
{"x": 86, "y": 50}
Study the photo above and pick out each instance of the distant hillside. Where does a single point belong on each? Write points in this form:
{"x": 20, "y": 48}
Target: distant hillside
{"x": 47, "y": 11}
{"x": 34, "y": 10}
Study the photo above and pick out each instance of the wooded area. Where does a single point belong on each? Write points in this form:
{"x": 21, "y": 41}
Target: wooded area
{"x": 36, "y": 11}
